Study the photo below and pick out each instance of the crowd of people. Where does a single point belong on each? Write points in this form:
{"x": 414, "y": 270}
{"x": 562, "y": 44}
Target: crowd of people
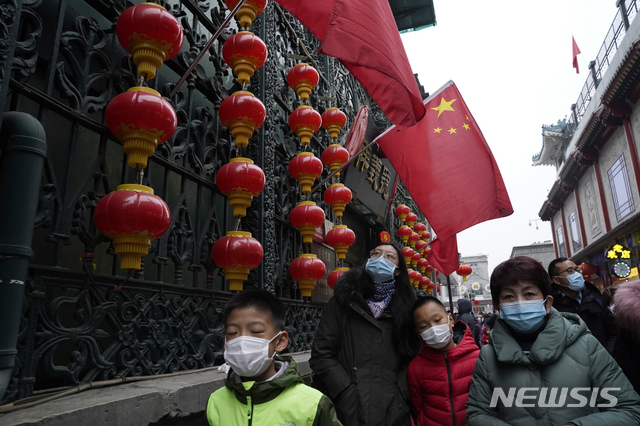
{"x": 555, "y": 351}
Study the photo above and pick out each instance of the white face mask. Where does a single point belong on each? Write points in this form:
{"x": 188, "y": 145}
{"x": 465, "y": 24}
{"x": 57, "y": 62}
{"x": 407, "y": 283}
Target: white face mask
{"x": 248, "y": 356}
{"x": 437, "y": 336}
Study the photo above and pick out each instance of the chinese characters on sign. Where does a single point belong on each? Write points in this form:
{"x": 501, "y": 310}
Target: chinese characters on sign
{"x": 378, "y": 174}
{"x": 618, "y": 251}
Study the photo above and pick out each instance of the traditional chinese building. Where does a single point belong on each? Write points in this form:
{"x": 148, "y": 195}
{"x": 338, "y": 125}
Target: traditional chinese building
{"x": 543, "y": 252}
{"x": 593, "y": 205}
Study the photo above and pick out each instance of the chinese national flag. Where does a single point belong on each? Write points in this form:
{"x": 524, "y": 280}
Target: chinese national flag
{"x": 363, "y": 35}
{"x": 576, "y": 52}
{"x": 448, "y": 168}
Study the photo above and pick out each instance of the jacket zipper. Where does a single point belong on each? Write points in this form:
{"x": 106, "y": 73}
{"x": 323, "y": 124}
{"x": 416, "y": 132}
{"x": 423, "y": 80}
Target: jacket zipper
{"x": 249, "y": 410}
{"x": 453, "y": 411}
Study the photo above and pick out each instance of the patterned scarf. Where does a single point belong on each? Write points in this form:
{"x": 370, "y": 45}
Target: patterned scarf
{"x": 381, "y": 298}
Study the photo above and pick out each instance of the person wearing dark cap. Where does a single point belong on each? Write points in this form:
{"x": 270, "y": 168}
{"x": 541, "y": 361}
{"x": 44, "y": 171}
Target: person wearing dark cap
{"x": 465, "y": 315}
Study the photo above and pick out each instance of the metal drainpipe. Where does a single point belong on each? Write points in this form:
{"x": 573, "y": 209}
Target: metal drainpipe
{"x": 24, "y": 149}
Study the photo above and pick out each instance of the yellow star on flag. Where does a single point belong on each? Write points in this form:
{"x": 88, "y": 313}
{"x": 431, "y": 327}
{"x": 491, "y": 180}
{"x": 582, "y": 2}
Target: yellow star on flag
{"x": 444, "y": 106}
{"x": 466, "y": 126}
{"x": 437, "y": 130}
{"x": 452, "y": 131}
{"x": 467, "y": 117}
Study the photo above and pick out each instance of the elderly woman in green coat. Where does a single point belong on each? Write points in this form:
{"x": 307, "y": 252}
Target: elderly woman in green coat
{"x": 543, "y": 367}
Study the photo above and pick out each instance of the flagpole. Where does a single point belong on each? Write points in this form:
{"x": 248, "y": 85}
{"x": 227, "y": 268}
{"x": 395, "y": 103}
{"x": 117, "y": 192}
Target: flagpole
{"x": 204, "y": 50}
{"x": 449, "y": 291}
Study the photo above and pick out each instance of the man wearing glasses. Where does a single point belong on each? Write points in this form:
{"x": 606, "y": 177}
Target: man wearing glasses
{"x": 571, "y": 293}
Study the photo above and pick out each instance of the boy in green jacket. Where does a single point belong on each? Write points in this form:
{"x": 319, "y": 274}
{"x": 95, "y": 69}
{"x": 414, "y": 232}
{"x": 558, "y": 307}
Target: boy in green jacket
{"x": 262, "y": 388}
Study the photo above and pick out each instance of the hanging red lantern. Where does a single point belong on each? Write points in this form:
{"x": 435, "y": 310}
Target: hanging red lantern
{"x": 242, "y": 113}
{"x": 429, "y": 269}
{"x": 420, "y": 246}
{"x": 422, "y": 265}
{"x": 413, "y": 238}
{"x": 132, "y": 217}
{"x": 464, "y": 271}
{"x": 305, "y": 121}
{"x": 588, "y": 270}
{"x": 425, "y": 236}
{"x": 438, "y": 288}
{"x": 412, "y": 275}
{"x": 416, "y": 281}
{"x": 407, "y": 253}
{"x": 402, "y": 211}
{"x": 435, "y": 272}
{"x": 303, "y": 78}
{"x": 305, "y": 168}
{"x": 426, "y": 252}
{"x": 151, "y": 35}
{"x": 248, "y": 11}
{"x": 337, "y": 196}
{"x": 419, "y": 228}
{"x": 340, "y": 238}
{"x": 431, "y": 285}
{"x": 384, "y": 237}
{"x": 307, "y": 216}
{"x": 411, "y": 219}
{"x": 333, "y": 277}
{"x": 404, "y": 232}
{"x": 240, "y": 180}
{"x": 333, "y": 120}
{"x": 424, "y": 282}
{"x": 245, "y": 53}
{"x": 237, "y": 253}
{"x": 142, "y": 120}
{"x": 307, "y": 269}
{"x": 414, "y": 259}
{"x": 334, "y": 157}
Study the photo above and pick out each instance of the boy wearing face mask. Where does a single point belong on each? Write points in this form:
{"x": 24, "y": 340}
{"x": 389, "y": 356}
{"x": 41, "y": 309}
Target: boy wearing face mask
{"x": 440, "y": 377}
{"x": 547, "y": 362}
{"x": 571, "y": 293}
{"x": 263, "y": 388}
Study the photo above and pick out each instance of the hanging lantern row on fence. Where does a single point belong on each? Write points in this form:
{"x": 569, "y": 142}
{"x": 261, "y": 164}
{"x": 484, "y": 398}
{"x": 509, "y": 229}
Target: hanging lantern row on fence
{"x": 245, "y": 53}
{"x": 303, "y": 78}
{"x": 306, "y": 217}
{"x": 248, "y": 12}
{"x": 237, "y": 253}
{"x": 307, "y": 269}
{"x": 242, "y": 113}
{"x": 240, "y": 180}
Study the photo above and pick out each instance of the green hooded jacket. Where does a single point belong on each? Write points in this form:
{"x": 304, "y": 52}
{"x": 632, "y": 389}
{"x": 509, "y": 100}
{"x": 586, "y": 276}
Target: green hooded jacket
{"x": 283, "y": 401}
{"x": 511, "y": 387}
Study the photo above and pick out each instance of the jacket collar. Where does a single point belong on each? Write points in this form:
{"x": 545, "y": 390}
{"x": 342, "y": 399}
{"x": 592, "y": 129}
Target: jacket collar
{"x": 261, "y": 392}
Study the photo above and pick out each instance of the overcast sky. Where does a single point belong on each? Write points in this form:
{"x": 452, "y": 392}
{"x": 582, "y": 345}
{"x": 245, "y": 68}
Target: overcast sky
{"x": 512, "y": 62}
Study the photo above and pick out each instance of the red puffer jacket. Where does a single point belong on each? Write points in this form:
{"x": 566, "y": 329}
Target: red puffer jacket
{"x": 440, "y": 381}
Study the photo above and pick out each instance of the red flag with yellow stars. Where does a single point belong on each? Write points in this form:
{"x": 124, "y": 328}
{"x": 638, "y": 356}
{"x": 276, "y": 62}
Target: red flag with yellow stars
{"x": 447, "y": 166}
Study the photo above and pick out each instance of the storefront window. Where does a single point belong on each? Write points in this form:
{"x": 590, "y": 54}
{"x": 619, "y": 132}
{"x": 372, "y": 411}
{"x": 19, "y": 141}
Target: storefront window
{"x": 620, "y": 190}
{"x": 562, "y": 248}
{"x": 575, "y": 233}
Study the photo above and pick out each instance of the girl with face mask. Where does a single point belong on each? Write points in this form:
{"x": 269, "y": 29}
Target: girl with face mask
{"x": 440, "y": 377}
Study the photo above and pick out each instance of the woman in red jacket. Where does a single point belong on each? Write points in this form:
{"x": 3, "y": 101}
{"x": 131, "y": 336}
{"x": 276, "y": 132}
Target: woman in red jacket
{"x": 440, "y": 377}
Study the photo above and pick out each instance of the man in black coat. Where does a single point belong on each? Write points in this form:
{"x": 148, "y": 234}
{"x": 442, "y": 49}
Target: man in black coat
{"x": 571, "y": 293}
{"x": 465, "y": 315}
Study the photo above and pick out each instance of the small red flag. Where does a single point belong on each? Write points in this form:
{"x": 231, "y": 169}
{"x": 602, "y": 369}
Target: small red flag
{"x": 444, "y": 255}
{"x": 364, "y": 36}
{"x": 576, "y": 52}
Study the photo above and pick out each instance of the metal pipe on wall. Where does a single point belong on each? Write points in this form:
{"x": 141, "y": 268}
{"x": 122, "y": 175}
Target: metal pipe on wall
{"x": 23, "y": 150}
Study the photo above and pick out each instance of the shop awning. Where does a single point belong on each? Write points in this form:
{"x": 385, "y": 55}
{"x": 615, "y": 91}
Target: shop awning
{"x": 413, "y": 15}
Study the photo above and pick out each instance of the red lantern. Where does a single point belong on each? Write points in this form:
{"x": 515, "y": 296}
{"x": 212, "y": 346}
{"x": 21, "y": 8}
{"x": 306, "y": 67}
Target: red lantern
{"x": 248, "y": 11}
{"x": 333, "y": 277}
{"x": 426, "y": 252}
{"x": 413, "y": 238}
{"x": 414, "y": 259}
{"x": 435, "y": 271}
{"x": 142, "y": 120}
{"x": 420, "y": 246}
{"x": 425, "y": 236}
{"x": 404, "y": 232}
{"x": 333, "y": 120}
{"x": 305, "y": 121}
{"x": 422, "y": 265}
{"x": 338, "y": 196}
{"x": 424, "y": 282}
{"x": 340, "y": 238}
{"x": 307, "y": 216}
{"x": 334, "y": 157}
{"x": 419, "y": 228}
{"x": 464, "y": 271}
{"x": 245, "y": 53}
{"x": 438, "y": 289}
{"x": 305, "y": 168}
{"x": 303, "y": 78}
{"x": 417, "y": 279}
{"x": 242, "y": 113}
{"x": 588, "y": 270}
{"x": 240, "y": 180}
{"x": 151, "y": 35}
{"x": 429, "y": 269}
{"x": 431, "y": 285}
{"x": 411, "y": 219}
{"x": 412, "y": 275}
{"x": 402, "y": 211}
{"x": 384, "y": 237}
{"x": 476, "y": 302}
{"x": 307, "y": 269}
{"x": 237, "y": 253}
{"x": 132, "y": 217}
{"x": 408, "y": 254}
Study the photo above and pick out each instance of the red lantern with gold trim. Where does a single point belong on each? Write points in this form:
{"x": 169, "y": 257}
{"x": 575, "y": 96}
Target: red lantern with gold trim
{"x": 431, "y": 285}
{"x": 237, "y": 253}
{"x": 333, "y": 277}
{"x": 414, "y": 259}
{"x": 422, "y": 265}
{"x": 338, "y": 196}
{"x": 438, "y": 288}
{"x": 307, "y": 269}
{"x": 424, "y": 282}
{"x": 429, "y": 269}
{"x": 242, "y": 113}
{"x": 404, "y": 232}
{"x": 416, "y": 282}
{"x": 420, "y": 246}
{"x": 240, "y": 180}
{"x": 412, "y": 275}
{"x": 407, "y": 253}
{"x": 305, "y": 121}
{"x": 340, "y": 238}
{"x": 413, "y": 238}
{"x": 303, "y": 78}
{"x": 426, "y": 252}
{"x": 334, "y": 157}
{"x": 464, "y": 271}
{"x": 151, "y": 35}
{"x": 132, "y": 217}
{"x": 588, "y": 270}
{"x": 245, "y": 53}
{"x": 333, "y": 120}
{"x": 307, "y": 216}
{"x": 402, "y": 211}
{"x": 411, "y": 219}
{"x": 142, "y": 120}
{"x": 305, "y": 168}
{"x": 425, "y": 236}
{"x": 419, "y": 228}
{"x": 248, "y": 11}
